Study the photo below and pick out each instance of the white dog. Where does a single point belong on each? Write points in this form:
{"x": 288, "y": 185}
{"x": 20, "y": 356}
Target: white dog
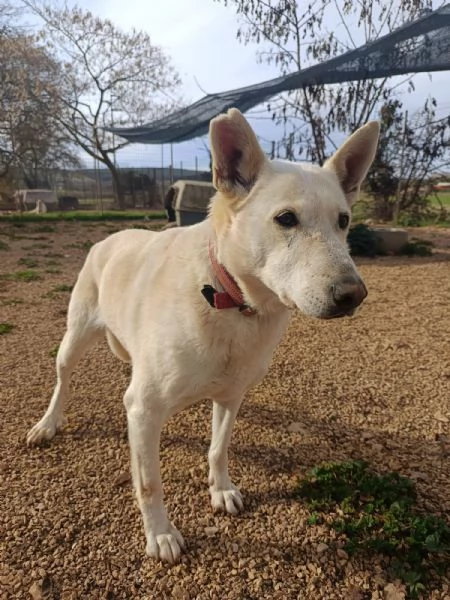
{"x": 199, "y": 310}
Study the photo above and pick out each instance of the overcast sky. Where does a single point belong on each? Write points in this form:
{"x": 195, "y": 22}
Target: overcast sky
{"x": 200, "y": 37}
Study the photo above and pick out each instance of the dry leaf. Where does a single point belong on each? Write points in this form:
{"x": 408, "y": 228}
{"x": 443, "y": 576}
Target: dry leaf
{"x": 438, "y": 416}
{"x": 394, "y": 592}
{"x": 297, "y": 427}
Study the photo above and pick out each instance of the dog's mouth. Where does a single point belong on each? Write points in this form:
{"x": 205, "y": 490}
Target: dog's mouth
{"x": 339, "y": 315}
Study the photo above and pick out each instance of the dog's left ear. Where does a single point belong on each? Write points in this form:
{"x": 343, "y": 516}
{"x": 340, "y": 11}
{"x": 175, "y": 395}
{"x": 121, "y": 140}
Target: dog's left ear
{"x": 353, "y": 159}
{"x": 237, "y": 156}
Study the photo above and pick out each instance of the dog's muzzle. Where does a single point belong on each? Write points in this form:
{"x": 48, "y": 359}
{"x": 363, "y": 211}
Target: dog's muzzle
{"x": 347, "y": 295}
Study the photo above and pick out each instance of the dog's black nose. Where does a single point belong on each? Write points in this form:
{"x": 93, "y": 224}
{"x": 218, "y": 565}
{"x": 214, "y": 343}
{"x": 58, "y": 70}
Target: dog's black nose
{"x": 348, "y": 294}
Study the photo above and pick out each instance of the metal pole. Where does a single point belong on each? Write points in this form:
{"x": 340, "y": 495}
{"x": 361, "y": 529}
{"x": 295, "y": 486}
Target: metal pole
{"x": 113, "y": 135}
{"x": 399, "y": 185}
{"x": 163, "y": 193}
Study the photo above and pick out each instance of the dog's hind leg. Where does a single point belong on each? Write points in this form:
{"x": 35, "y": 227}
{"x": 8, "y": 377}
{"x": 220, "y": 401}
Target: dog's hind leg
{"x": 224, "y": 495}
{"x": 146, "y": 416}
{"x": 82, "y": 332}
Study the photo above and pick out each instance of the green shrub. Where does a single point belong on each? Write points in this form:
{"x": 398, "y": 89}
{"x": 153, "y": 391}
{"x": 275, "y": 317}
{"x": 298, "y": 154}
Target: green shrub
{"x": 362, "y": 241}
{"x": 417, "y": 248}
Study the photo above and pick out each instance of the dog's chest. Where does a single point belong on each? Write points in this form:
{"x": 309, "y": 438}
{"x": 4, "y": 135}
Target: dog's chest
{"x": 235, "y": 358}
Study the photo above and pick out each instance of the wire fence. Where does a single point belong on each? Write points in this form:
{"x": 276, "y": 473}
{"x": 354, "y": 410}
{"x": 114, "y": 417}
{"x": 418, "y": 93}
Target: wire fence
{"x": 93, "y": 188}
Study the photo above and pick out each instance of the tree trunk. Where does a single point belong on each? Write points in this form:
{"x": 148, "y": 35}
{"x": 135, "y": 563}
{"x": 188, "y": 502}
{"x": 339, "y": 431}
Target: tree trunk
{"x": 119, "y": 189}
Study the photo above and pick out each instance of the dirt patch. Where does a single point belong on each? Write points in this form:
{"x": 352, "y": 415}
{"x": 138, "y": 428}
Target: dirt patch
{"x": 374, "y": 387}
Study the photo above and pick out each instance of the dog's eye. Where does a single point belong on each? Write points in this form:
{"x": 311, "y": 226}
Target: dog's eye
{"x": 343, "y": 220}
{"x": 287, "y": 219}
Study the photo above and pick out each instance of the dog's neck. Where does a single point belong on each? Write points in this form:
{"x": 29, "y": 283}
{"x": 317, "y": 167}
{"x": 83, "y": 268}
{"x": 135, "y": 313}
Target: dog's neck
{"x": 232, "y": 296}
{"x": 246, "y": 293}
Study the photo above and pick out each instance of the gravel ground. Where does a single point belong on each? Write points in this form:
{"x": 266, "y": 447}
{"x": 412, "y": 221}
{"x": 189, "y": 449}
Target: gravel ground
{"x": 374, "y": 387}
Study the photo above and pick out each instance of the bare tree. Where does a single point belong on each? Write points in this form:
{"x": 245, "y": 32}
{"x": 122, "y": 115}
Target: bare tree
{"x": 295, "y": 35}
{"x": 31, "y": 140}
{"x": 411, "y": 149}
{"x": 110, "y": 77}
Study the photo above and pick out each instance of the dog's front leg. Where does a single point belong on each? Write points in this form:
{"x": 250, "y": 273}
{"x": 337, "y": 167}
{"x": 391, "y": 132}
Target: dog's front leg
{"x": 224, "y": 495}
{"x": 145, "y": 421}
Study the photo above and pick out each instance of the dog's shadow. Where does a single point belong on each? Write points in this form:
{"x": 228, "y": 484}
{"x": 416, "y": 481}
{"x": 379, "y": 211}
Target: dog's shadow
{"x": 282, "y": 452}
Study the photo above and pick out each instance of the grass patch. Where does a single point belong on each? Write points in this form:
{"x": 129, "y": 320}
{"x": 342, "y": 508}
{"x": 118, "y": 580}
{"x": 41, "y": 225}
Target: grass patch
{"x": 53, "y": 270}
{"x": 27, "y": 275}
{"x": 31, "y": 263}
{"x": 442, "y": 198}
{"x": 12, "y": 301}
{"x": 53, "y": 255}
{"x": 377, "y": 514}
{"x": 63, "y": 288}
{"x": 149, "y": 226}
{"x": 80, "y": 215}
{"x": 37, "y": 247}
{"x": 44, "y": 229}
{"x": 139, "y": 226}
{"x": 54, "y": 351}
{"x": 6, "y": 328}
{"x": 37, "y": 238}
{"x": 87, "y": 245}
{"x": 3, "y": 245}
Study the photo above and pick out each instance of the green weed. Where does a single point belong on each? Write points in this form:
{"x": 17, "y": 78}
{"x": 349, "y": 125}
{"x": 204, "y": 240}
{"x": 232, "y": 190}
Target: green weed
{"x": 31, "y": 263}
{"x": 53, "y": 270}
{"x": 12, "y": 301}
{"x": 6, "y": 328}
{"x": 87, "y": 245}
{"x": 63, "y": 288}
{"x": 44, "y": 229}
{"x": 54, "y": 351}
{"x": 36, "y": 247}
{"x": 28, "y": 275}
{"x": 377, "y": 514}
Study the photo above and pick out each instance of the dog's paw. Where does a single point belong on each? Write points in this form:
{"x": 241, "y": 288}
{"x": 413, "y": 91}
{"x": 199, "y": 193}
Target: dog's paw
{"x": 44, "y": 430}
{"x": 166, "y": 547}
{"x": 229, "y": 501}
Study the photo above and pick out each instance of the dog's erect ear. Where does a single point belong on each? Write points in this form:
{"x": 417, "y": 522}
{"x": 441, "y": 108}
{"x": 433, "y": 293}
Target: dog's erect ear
{"x": 353, "y": 159}
{"x": 237, "y": 156}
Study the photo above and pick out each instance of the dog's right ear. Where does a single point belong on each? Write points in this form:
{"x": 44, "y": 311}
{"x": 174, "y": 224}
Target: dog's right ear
{"x": 353, "y": 159}
{"x": 237, "y": 157}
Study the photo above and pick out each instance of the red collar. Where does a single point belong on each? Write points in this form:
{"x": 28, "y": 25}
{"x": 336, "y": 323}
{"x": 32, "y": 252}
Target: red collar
{"x": 232, "y": 296}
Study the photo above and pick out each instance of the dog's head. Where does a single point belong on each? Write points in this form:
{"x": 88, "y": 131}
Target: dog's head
{"x": 285, "y": 224}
